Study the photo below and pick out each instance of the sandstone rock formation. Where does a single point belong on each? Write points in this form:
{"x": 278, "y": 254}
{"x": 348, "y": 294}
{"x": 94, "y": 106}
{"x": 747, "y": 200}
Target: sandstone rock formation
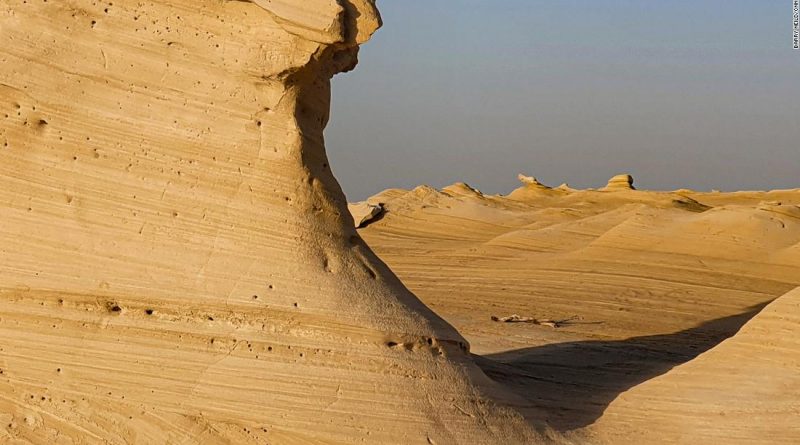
{"x": 531, "y": 181}
{"x": 364, "y": 212}
{"x": 177, "y": 262}
{"x": 462, "y": 189}
{"x": 620, "y": 182}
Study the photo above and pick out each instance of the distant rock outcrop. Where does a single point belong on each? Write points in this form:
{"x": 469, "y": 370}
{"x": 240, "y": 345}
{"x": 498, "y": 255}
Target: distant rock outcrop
{"x": 530, "y": 181}
{"x": 462, "y": 189}
{"x": 620, "y": 182}
{"x": 565, "y": 188}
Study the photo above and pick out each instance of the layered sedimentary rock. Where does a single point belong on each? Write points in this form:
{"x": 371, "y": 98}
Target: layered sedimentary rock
{"x": 530, "y": 181}
{"x": 744, "y": 391}
{"x": 462, "y": 189}
{"x": 363, "y": 212}
{"x": 177, "y": 263}
{"x": 620, "y": 182}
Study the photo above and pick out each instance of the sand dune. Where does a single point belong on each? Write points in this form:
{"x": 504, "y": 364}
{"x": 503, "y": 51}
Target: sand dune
{"x": 644, "y": 280}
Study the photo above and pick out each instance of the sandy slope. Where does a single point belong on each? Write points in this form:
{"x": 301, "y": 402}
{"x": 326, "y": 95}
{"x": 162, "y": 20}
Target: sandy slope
{"x": 648, "y": 280}
{"x": 746, "y": 390}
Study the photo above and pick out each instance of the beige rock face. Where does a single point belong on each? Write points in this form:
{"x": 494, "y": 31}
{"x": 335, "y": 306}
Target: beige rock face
{"x": 620, "y": 182}
{"x": 462, "y": 189}
{"x": 531, "y": 182}
{"x": 364, "y": 212}
{"x": 744, "y": 391}
{"x": 177, "y": 263}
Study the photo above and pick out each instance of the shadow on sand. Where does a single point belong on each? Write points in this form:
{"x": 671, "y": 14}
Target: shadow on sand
{"x": 573, "y": 383}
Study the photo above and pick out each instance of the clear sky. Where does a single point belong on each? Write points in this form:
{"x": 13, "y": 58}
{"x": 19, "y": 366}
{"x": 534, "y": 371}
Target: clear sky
{"x": 681, "y": 93}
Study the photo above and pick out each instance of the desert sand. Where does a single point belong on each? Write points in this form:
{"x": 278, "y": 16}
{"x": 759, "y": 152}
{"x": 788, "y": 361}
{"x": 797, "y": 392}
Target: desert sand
{"x": 178, "y": 264}
{"x": 633, "y": 293}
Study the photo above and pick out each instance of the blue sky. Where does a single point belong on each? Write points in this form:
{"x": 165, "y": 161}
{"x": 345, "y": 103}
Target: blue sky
{"x": 698, "y": 94}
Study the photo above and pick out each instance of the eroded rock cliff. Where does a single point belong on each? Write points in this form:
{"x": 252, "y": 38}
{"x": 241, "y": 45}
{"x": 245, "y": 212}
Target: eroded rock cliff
{"x": 177, "y": 262}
